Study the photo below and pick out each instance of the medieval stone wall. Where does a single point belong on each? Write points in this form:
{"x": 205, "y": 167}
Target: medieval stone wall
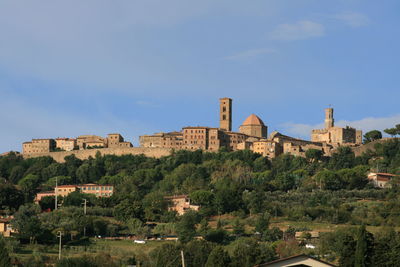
{"x": 84, "y": 154}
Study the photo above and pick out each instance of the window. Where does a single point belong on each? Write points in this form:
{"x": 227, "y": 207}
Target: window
{"x": 223, "y": 117}
{"x": 224, "y": 109}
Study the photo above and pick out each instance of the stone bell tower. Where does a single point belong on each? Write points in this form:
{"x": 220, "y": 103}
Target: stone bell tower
{"x": 329, "y": 121}
{"x": 225, "y": 114}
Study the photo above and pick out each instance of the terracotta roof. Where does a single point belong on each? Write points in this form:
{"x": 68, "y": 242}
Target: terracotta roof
{"x": 176, "y": 197}
{"x": 253, "y": 120}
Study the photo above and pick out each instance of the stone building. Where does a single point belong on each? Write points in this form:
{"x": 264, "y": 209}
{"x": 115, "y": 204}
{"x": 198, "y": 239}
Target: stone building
{"x": 65, "y": 190}
{"x": 380, "y": 180}
{"x": 209, "y": 138}
{"x": 38, "y": 146}
{"x": 278, "y": 144}
{"x": 43, "y": 146}
{"x": 254, "y": 126}
{"x": 181, "y": 204}
{"x": 225, "y": 114}
{"x": 116, "y": 140}
{"x": 87, "y": 141}
{"x": 267, "y": 148}
{"x": 172, "y": 140}
{"x": 334, "y": 135}
{"x": 65, "y": 144}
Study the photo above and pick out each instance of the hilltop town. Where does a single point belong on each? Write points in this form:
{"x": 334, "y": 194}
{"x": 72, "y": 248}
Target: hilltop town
{"x": 252, "y": 135}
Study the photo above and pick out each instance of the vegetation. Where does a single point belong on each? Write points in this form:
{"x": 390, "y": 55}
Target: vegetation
{"x": 247, "y": 201}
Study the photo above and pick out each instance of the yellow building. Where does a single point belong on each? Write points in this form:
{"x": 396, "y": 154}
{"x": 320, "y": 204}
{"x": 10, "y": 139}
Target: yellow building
{"x": 181, "y": 204}
{"x": 65, "y": 144}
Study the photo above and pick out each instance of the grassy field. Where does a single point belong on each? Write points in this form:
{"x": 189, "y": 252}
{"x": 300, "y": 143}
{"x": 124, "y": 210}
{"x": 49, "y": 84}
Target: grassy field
{"x": 119, "y": 249}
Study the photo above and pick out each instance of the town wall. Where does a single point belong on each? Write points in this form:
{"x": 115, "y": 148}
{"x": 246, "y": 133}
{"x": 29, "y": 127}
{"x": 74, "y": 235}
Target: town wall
{"x": 85, "y": 154}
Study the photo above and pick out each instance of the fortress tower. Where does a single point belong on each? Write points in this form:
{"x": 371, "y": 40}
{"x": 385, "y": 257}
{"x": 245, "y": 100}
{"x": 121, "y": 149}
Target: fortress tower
{"x": 225, "y": 114}
{"x": 329, "y": 121}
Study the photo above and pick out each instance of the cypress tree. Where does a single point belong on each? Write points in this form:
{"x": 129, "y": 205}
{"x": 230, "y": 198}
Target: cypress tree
{"x": 364, "y": 248}
{"x": 5, "y": 260}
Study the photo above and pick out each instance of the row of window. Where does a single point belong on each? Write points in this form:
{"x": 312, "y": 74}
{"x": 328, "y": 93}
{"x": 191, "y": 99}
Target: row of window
{"x": 89, "y": 188}
{"x": 195, "y": 131}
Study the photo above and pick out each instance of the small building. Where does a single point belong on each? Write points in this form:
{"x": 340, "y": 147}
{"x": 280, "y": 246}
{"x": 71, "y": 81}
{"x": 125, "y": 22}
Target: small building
{"x": 297, "y": 261}
{"x": 181, "y": 204}
{"x": 5, "y": 227}
{"x": 65, "y": 190}
{"x": 41, "y": 195}
{"x": 380, "y": 179}
{"x": 98, "y": 190}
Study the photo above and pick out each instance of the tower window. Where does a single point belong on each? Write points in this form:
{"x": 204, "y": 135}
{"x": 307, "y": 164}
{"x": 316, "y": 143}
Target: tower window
{"x": 223, "y": 117}
{"x": 224, "y": 109}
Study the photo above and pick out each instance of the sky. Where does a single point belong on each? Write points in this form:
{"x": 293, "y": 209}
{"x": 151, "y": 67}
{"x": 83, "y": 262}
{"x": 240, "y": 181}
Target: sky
{"x": 69, "y": 68}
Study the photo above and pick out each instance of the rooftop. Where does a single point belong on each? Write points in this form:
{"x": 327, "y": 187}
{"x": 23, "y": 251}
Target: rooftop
{"x": 253, "y": 120}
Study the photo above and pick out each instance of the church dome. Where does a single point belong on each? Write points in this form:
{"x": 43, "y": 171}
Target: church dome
{"x": 253, "y": 120}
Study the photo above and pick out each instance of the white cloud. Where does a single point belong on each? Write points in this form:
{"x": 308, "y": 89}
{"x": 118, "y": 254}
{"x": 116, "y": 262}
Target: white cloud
{"x": 366, "y": 124}
{"x": 353, "y": 19}
{"x": 300, "y": 30}
{"x": 249, "y": 54}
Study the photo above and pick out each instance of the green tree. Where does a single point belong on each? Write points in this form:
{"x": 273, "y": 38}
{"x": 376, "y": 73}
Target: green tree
{"x": 364, "y": 248}
{"x": 129, "y": 208}
{"x": 197, "y": 252}
{"x": 262, "y": 222}
{"x": 10, "y": 197}
{"x": 314, "y": 155}
{"x": 29, "y": 185}
{"x": 392, "y": 131}
{"x": 166, "y": 255}
{"x": 218, "y": 258}
{"x": 248, "y": 252}
{"x": 5, "y": 260}
{"x": 343, "y": 158}
{"x": 372, "y": 136}
{"x": 154, "y": 206}
{"x": 186, "y": 227}
{"x": 26, "y": 221}
{"x": 329, "y": 180}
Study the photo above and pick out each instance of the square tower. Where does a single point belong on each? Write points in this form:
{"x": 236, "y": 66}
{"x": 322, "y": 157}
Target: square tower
{"x": 329, "y": 120}
{"x": 225, "y": 114}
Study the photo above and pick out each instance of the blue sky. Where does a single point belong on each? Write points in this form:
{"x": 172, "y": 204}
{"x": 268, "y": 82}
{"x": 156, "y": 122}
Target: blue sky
{"x": 93, "y": 67}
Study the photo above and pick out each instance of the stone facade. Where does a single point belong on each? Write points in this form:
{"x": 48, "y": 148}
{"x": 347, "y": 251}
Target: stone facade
{"x": 116, "y": 140}
{"x": 65, "y": 144}
{"x": 44, "y": 146}
{"x": 334, "y": 135}
{"x": 225, "y": 114}
{"x": 181, "y": 204}
{"x": 65, "y": 190}
{"x": 173, "y": 140}
{"x": 254, "y": 126}
{"x": 38, "y": 146}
